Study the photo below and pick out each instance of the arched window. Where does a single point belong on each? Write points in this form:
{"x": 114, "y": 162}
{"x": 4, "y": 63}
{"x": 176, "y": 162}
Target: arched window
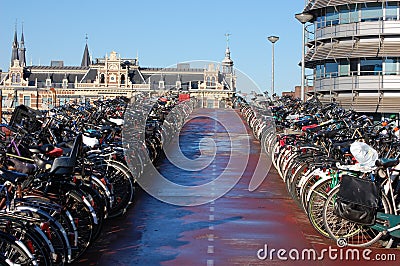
{"x": 18, "y": 78}
{"x": 208, "y": 81}
{"x": 14, "y": 78}
{"x": 213, "y": 81}
{"x": 122, "y": 79}
{"x": 102, "y": 79}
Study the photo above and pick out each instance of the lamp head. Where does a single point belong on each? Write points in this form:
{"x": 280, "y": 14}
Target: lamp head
{"x": 273, "y": 39}
{"x": 304, "y": 17}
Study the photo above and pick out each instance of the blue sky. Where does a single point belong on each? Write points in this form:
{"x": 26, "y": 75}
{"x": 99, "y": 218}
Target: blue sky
{"x": 161, "y": 32}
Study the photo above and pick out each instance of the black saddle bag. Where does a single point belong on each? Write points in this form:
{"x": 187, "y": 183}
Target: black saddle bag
{"x": 358, "y": 200}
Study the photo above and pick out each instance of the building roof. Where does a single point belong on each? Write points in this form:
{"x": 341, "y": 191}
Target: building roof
{"x": 57, "y": 68}
{"x": 316, "y": 4}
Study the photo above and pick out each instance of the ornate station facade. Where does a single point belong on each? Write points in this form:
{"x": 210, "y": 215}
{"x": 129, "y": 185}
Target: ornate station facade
{"x": 45, "y": 87}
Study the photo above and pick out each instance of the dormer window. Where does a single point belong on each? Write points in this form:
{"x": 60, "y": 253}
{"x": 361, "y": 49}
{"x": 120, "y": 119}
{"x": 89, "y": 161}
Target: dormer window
{"x": 178, "y": 84}
{"x": 48, "y": 82}
{"x": 161, "y": 84}
{"x": 65, "y": 83}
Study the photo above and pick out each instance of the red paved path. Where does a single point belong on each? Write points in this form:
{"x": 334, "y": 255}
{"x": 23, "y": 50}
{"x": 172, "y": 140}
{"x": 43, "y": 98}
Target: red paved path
{"x": 228, "y": 231}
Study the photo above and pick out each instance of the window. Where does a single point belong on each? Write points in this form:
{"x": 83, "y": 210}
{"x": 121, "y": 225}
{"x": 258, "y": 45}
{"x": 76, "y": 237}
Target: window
{"x": 321, "y": 21}
{"x": 331, "y": 69}
{"x": 391, "y": 10}
{"x": 15, "y": 102}
{"x": 27, "y": 101}
{"x": 370, "y": 66}
{"x": 344, "y": 67}
{"x": 18, "y": 78}
{"x": 371, "y": 12}
{"x": 320, "y": 69}
{"x": 4, "y": 102}
{"x": 391, "y": 65}
{"x": 332, "y": 16}
{"x": 354, "y": 13}
{"x": 113, "y": 78}
{"x": 14, "y": 78}
{"x": 344, "y": 14}
{"x": 208, "y": 81}
{"x": 213, "y": 83}
{"x": 63, "y": 101}
{"x": 354, "y": 66}
{"x": 47, "y": 102}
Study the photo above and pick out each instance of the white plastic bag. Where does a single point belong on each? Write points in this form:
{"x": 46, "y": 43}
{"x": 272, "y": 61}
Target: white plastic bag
{"x": 88, "y": 141}
{"x": 364, "y": 154}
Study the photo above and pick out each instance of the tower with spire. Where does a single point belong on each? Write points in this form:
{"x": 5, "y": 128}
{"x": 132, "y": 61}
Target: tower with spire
{"x": 227, "y": 63}
{"x": 15, "y": 46}
{"x": 86, "y": 56}
{"x": 22, "y": 49}
{"x": 227, "y": 67}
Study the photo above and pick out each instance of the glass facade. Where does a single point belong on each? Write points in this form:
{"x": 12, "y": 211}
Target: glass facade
{"x": 352, "y": 13}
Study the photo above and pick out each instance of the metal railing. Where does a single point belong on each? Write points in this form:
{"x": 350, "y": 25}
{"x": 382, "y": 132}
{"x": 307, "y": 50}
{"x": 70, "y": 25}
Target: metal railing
{"x": 357, "y": 81}
{"x": 356, "y": 29}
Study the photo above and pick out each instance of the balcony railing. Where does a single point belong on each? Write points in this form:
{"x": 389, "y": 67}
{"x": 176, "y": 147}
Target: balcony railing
{"x": 367, "y": 81}
{"x": 357, "y": 29}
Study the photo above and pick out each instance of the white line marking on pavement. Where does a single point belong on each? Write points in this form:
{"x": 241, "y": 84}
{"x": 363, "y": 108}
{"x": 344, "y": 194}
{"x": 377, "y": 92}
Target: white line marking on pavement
{"x": 210, "y": 249}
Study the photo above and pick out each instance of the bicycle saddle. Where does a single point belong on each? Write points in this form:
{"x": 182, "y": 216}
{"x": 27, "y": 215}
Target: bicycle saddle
{"x": 386, "y": 163}
{"x": 12, "y": 176}
{"x": 41, "y": 149}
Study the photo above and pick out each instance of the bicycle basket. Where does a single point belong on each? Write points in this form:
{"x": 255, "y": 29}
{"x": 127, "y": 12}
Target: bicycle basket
{"x": 357, "y": 200}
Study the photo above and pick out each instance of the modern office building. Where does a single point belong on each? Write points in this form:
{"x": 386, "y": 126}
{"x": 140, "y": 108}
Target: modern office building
{"x": 43, "y": 87}
{"x": 353, "y": 49}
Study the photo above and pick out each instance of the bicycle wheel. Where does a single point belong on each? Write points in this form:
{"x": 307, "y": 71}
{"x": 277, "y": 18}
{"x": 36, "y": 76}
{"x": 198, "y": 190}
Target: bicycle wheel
{"x": 84, "y": 218}
{"x": 97, "y": 203}
{"x": 354, "y": 235}
{"x": 122, "y": 188}
{"x": 103, "y": 187}
{"x": 317, "y": 197}
{"x": 294, "y": 186}
{"x": 51, "y": 228}
{"x": 56, "y": 211}
{"x": 15, "y": 252}
{"x": 309, "y": 179}
{"x": 29, "y": 235}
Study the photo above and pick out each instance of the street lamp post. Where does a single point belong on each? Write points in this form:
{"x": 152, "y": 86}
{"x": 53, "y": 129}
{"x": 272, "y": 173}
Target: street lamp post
{"x": 273, "y": 40}
{"x": 303, "y": 18}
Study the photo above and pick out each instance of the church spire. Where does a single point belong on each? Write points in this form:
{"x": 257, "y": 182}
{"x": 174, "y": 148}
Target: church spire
{"x": 22, "y": 49}
{"x": 14, "y": 54}
{"x": 86, "y": 56}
